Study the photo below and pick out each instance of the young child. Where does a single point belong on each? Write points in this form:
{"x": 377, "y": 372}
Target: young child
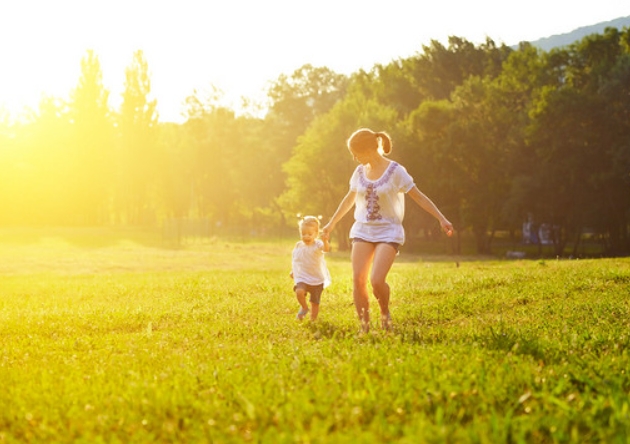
{"x": 309, "y": 271}
{"x": 377, "y": 190}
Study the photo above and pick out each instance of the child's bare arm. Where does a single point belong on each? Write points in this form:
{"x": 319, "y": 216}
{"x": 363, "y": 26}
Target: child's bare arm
{"x": 325, "y": 237}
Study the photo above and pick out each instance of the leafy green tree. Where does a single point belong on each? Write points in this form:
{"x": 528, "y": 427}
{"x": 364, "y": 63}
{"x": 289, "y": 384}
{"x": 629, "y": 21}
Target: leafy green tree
{"x": 439, "y": 69}
{"x": 11, "y": 210}
{"x": 525, "y": 74}
{"x": 434, "y": 73}
{"x": 48, "y": 146}
{"x": 458, "y": 147}
{"x": 176, "y": 168}
{"x": 581, "y": 137}
{"x": 212, "y": 172}
{"x": 232, "y": 166}
{"x": 320, "y": 168}
{"x": 91, "y": 158}
{"x": 567, "y": 154}
{"x": 257, "y": 183}
{"x": 295, "y": 101}
{"x": 225, "y": 151}
{"x": 615, "y": 92}
{"x": 137, "y": 157}
{"x": 467, "y": 145}
{"x": 425, "y": 141}
{"x": 298, "y": 98}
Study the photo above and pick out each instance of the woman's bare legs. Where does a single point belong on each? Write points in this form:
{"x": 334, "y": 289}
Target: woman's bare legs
{"x": 381, "y": 258}
{"x": 384, "y": 256}
{"x": 362, "y": 255}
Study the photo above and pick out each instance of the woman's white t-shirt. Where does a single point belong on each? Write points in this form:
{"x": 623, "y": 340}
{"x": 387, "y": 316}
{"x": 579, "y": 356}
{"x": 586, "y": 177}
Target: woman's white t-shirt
{"x": 309, "y": 265}
{"x": 380, "y": 204}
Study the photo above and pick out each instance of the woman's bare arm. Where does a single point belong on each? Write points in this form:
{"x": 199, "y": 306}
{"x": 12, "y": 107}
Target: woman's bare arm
{"x": 344, "y": 206}
{"x": 427, "y": 205}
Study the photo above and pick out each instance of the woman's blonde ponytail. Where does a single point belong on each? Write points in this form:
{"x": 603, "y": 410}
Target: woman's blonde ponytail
{"x": 386, "y": 141}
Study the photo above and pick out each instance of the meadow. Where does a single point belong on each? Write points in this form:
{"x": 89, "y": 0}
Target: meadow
{"x": 113, "y": 336}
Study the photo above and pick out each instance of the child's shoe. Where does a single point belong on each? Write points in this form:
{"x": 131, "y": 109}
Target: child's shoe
{"x": 303, "y": 312}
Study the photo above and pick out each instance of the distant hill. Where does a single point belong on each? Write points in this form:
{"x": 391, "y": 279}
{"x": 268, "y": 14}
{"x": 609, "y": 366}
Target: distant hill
{"x": 559, "y": 40}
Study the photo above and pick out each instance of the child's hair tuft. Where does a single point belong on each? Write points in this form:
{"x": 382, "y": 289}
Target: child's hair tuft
{"x": 310, "y": 220}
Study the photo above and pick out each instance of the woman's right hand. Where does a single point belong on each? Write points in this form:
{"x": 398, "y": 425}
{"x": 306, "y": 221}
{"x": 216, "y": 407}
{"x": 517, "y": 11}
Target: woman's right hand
{"x": 326, "y": 230}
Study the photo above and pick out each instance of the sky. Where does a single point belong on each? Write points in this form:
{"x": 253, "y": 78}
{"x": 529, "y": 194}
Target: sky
{"x": 242, "y": 46}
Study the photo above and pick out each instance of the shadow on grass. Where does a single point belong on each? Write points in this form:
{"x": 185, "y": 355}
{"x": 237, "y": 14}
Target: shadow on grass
{"x": 514, "y": 341}
{"x": 499, "y": 338}
{"x": 103, "y": 237}
{"x": 87, "y": 237}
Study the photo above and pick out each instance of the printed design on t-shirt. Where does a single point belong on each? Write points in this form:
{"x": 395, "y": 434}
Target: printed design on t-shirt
{"x": 371, "y": 196}
{"x": 372, "y": 203}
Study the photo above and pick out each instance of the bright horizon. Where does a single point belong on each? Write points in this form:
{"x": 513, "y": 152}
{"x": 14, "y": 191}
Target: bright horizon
{"x": 242, "y": 46}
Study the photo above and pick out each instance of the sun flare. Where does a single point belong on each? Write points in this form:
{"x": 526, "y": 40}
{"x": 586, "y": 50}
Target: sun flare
{"x": 240, "y": 47}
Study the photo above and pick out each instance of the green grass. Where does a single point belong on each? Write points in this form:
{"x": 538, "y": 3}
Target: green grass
{"x": 114, "y": 338}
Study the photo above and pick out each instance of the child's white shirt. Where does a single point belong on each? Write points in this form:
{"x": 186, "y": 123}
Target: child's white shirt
{"x": 309, "y": 265}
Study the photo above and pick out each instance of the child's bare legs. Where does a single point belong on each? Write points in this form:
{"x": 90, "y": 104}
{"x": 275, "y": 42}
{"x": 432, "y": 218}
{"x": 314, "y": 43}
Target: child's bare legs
{"x": 300, "y": 294}
{"x": 384, "y": 255}
{"x": 362, "y": 254}
{"x": 314, "y": 311}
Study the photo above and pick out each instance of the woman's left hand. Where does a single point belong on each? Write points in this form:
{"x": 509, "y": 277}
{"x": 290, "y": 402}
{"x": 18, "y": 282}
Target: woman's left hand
{"x": 447, "y": 227}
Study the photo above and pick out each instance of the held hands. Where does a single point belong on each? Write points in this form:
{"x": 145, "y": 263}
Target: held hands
{"x": 326, "y": 231}
{"x": 325, "y": 237}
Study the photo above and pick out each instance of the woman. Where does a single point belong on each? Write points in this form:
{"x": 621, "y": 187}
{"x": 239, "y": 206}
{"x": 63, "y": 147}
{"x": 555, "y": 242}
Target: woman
{"x": 377, "y": 189}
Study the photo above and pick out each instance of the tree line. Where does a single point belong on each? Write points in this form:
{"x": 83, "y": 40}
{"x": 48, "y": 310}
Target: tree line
{"x": 495, "y": 135}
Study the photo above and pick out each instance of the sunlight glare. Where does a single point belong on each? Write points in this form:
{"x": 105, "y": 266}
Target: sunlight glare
{"x": 243, "y": 45}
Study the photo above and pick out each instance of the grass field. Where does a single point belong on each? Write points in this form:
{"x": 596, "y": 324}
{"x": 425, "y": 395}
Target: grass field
{"x": 112, "y": 337}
